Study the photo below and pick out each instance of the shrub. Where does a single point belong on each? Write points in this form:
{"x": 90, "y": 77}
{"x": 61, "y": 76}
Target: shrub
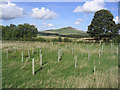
{"x": 67, "y": 40}
{"x": 57, "y": 40}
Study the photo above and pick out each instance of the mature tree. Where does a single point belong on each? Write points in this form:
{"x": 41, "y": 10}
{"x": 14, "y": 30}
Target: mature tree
{"x": 102, "y": 25}
{"x": 27, "y": 31}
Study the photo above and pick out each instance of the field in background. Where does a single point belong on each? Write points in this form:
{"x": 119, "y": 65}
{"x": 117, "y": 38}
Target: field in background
{"x": 63, "y": 74}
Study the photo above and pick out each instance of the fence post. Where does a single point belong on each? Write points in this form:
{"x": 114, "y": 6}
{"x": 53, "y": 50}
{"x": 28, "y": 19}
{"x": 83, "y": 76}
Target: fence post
{"x": 33, "y": 67}
{"x": 76, "y": 61}
{"x": 41, "y": 59}
{"x": 111, "y": 45}
{"x": 22, "y": 57}
{"x": 28, "y": 53}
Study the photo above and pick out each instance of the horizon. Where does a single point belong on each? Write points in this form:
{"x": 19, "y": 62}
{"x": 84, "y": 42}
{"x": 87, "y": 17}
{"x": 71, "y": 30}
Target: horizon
{"x": 55, "y": 15}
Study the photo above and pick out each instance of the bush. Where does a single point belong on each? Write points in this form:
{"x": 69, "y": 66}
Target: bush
{"x": 57, "y": 40}
{"x": 40, "y": 39}
{"x": 78, "y": 35}
{"x": 67, "y": 40}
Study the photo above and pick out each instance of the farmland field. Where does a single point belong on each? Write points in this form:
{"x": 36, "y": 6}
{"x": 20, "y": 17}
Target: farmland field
{"x": 97, "y": 65}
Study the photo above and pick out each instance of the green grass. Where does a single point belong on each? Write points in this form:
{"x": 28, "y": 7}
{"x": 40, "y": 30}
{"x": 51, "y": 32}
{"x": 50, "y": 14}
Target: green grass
{"x": 63, "y": 74}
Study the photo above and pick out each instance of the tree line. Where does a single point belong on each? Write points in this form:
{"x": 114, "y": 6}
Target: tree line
{"x": 19, "y": 32}
{"x": 102, "y": 27}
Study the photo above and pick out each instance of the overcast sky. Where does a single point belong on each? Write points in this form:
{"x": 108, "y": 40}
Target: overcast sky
{"x": 52, "y": 15}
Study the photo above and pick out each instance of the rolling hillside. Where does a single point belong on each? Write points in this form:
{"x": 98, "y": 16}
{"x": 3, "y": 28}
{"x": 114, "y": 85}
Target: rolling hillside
{"x": 63, "y": 32}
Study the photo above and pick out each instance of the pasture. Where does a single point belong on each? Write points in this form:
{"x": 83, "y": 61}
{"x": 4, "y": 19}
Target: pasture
{"x": 64, "y": 65}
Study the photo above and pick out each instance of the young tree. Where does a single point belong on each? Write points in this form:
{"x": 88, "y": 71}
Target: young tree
{"x": 102, "y": 25}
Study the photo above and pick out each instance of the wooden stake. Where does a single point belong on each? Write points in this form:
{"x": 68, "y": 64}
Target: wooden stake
{"x": 22, "y": 57}
{"x": 33, "y": 67}
{"x": 32, "y": 51}
{"x": 76, "y": 61}
{"x": 52, "y": 43}
{"x": 99, "y": 46}
{"x": 28, "y": 53}
{"x": 41, "y": 59}
{"x": 87, "y": 47}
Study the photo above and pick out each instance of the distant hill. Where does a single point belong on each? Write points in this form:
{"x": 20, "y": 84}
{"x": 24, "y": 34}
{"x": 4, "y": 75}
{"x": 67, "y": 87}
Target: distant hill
{"x": 66, "y": 31}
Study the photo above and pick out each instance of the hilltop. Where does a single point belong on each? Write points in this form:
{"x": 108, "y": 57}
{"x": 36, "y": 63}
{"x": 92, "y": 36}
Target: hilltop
{"x": 66, "y": 31}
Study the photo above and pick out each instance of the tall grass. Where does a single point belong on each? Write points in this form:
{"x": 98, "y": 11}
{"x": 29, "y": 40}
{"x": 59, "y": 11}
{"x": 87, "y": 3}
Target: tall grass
{"x": 97, "y": 72}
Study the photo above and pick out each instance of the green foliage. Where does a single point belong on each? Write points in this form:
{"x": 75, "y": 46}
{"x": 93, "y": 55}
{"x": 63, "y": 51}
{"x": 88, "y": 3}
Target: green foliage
{"x": 102, "y": 25}
{"x": 57, "y": 39}
{"x": 78, "y": 35}
{"x": 67, "y": 40}
{"x": 14, "y": 32}
{"x": 116, "y": 39}
{"x": 40, "y": 39}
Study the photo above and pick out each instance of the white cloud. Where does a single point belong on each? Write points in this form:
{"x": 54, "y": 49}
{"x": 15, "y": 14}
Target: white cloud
{"x": 10, "y": 11}
{"x": 43, "y": 13}
{"x": 78, "y": 21}
{"x": 117, "y": 19}
{"x": 90, "y": 6}
{"x": 50, "y": 25}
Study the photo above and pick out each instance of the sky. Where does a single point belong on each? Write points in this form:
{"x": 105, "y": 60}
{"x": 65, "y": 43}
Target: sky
{"x": 54, "y": 15}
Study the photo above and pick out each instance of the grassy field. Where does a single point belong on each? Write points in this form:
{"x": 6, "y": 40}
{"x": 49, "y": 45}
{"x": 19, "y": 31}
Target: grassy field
{"x": 97, "y": 72}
